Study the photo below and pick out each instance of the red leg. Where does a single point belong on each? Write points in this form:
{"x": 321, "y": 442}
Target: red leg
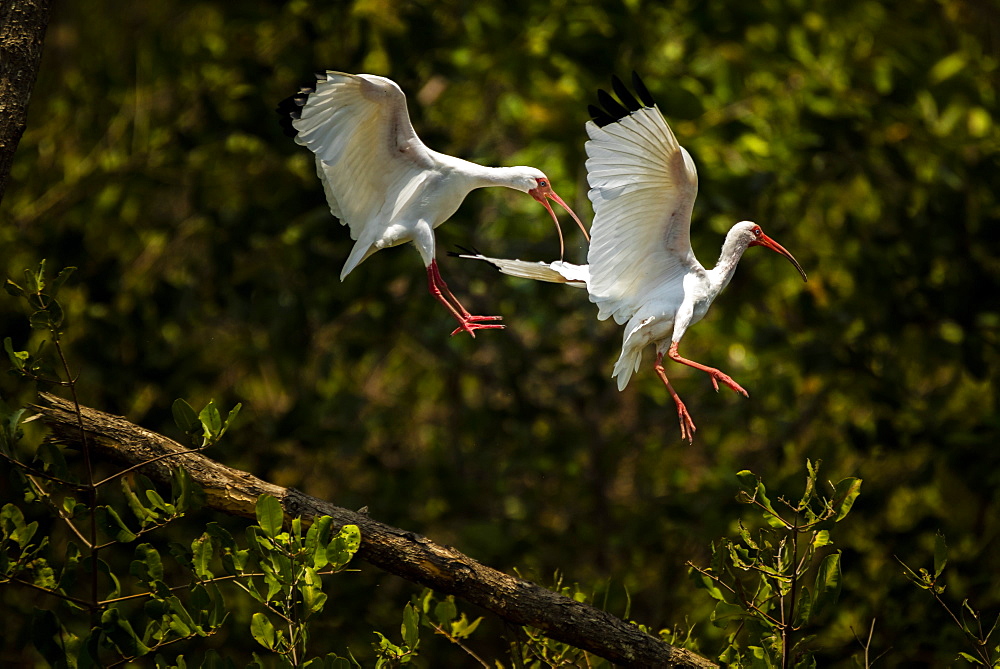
{"x": 716, "y": 375}
{"x": 687, "y": 425}
{"x": 469, "y": 323}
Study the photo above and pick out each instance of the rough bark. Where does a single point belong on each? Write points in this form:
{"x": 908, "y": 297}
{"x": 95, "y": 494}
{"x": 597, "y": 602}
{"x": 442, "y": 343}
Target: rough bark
{"x": 22, "y": 31}
{"x": 406, "y": 554}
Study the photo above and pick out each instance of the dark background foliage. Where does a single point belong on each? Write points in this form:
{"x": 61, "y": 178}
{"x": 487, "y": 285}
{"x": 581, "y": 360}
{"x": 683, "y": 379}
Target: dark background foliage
{"x": 860, "y": 134}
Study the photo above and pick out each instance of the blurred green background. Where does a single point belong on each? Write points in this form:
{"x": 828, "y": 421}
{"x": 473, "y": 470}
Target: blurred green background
{"x": 861, "y": 135}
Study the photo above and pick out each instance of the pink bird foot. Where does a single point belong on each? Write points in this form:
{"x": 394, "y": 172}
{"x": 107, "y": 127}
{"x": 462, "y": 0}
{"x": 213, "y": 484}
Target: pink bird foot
{"x": 470, "y": 323}
{"x": 715, "y": 374}
{"x": 467, "y": 322}
{"x": 718, "y": 377}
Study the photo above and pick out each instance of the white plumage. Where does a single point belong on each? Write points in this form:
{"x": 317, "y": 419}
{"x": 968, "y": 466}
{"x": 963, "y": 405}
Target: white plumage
{"x": 641, "y": 268}
{"x": 387, "y": 185}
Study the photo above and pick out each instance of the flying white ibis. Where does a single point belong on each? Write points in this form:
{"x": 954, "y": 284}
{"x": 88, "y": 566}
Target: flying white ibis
{"x": 641, "y": 269}
{"x": 384, "y": 183}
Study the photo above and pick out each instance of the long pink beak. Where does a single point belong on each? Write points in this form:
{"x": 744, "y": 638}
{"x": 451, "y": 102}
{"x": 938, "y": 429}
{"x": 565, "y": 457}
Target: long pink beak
{"x": 543, "y": 194}
{"x": 769, "y": 243}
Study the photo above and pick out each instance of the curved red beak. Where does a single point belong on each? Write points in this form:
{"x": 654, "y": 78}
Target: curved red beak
{"x": 545, "y": 193}
{"x": 769, "y": 243}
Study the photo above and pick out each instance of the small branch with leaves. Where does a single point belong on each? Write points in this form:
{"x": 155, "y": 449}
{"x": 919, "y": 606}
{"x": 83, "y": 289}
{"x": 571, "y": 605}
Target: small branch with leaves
{"x": 758, "y": 581}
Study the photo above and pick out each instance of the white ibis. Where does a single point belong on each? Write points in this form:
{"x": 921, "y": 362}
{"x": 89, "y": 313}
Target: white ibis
{"x": 642, "y": 270}
{"x": 384, "y": 183}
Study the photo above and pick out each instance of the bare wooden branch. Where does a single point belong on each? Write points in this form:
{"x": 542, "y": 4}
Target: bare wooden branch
{"x": 406, "y": 554}
{"x": 22, "y": 31}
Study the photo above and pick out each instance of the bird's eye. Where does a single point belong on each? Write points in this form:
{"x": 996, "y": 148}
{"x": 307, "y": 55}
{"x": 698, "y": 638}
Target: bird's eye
{"x": 757, "y": 232}
{"x": 543, "y": 183}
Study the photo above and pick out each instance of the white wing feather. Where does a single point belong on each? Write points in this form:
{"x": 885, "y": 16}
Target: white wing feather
{"x": 643, "y": 185}
{"x": 368, "y": 156}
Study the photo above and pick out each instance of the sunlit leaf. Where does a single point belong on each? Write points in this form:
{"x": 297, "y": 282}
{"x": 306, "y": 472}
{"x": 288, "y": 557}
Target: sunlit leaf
{"x": 185, "y": 416}
{"x": 269, "y": 515}
{"x": 410, "y": 629}
{"x": 940, "y": 554}
{"x": 262, "y": 630}
{"x": 828, "y": 580}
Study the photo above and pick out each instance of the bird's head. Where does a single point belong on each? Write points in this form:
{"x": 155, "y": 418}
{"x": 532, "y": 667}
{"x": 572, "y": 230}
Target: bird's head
{"x": 537, "y": 185}
{"x": 756, "y": 237}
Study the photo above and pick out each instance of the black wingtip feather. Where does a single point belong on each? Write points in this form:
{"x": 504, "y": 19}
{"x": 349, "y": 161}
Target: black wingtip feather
{"x": 290, "y": 108}
{"x": 599, "y": 116}
{"x": 623, "y": 93}
{"x": 464, "y": 251}
{"x": 642, "y": 91}
{"x": 613, "y": 110}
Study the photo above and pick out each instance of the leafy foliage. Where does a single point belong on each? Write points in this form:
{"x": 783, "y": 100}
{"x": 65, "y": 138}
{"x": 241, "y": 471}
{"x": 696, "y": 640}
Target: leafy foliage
{"x": 759, "y": 581}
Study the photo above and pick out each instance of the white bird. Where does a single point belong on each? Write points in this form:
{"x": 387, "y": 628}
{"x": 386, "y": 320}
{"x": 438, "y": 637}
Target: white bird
{"x": 384, "y": 183}
{"x": 641, "y": 268}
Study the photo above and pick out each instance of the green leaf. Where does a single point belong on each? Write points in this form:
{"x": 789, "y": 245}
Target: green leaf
{"x": 45, "y": 627}
{"x": 844, "y": 494}
{"x": 121, "y": 634}
{"x": 17, "y": 358}
{"x": 144, "y": 515}
{"x": 269, "y": 515}
{"x": 970, "y": 658}
{"x": 61, "y": 277}
{"x": 753, "y": 490}
{"x": 317, "y": 538}
{"x": 185, "y": 417}
{"x": 410, "y": 628}
{"x": 462, "y": 628}
{"x": 725, "y": 613}
{"x": 233, "y": 413}
{"x": 828, "y": 580}
{"x": 445, "y": 611}
{"x": 708, "y": 584}
{"x": 54, "y": 460}
{"x": 13, "y": 289}
{"x": 311, "y": 587}
{"x": 112, "y": 525}
{"x": 262, "y": 630}
{"x": 940, "y": 554}
{"x": 104, "y": 568}
{"x": 35, "y": 282}
{"x": 202, "y": 553}
{"x": 211, "y": 421}
{"x": 71, "y": 565}
{"x": 185, "y": 493}
{"x": 222, "y": 535}
{"x": 343, "y": 546}
{"x": 821, "y": 539}
{"x": 147, "y": 566}
{"x": 803, "y": 608}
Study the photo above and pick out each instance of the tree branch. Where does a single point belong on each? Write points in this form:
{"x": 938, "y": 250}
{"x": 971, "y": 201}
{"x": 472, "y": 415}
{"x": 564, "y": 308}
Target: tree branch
{"x": 406, "y": 554}
{"x": 22, "y": 32}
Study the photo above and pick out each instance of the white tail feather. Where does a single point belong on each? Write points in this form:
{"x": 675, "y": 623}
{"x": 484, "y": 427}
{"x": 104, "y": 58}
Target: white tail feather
{"x": 554, "y": 272}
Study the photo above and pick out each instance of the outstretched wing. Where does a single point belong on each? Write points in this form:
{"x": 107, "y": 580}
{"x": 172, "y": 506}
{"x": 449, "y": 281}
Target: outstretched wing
{"x": 643, "y": 185}
{"x": 368, "y": 156}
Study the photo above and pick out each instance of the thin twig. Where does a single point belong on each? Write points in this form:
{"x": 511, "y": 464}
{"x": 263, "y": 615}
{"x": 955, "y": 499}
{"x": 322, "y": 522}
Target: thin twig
{"x": 438, "y": 629}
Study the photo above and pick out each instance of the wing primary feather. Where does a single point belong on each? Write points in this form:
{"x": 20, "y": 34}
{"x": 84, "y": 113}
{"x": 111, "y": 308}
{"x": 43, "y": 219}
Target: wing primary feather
{"x": 624, "y": 94}
{"x": 642, "y": 91}
{"x": 612, "y": 106}
{"x": 291, "y": 107}
{"x": 600, "y": 117}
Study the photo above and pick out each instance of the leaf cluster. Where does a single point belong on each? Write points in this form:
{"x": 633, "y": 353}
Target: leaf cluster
{"x": 759, "y": 579}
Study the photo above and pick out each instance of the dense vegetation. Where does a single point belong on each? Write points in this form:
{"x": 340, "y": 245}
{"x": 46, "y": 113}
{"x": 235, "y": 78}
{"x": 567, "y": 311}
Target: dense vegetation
{"x": 861, "y": 135}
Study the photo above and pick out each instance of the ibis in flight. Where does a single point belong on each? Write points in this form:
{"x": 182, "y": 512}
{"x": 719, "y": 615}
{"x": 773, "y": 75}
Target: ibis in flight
{"x": 387, "y": 185}
{"x": 641, "y": 269}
